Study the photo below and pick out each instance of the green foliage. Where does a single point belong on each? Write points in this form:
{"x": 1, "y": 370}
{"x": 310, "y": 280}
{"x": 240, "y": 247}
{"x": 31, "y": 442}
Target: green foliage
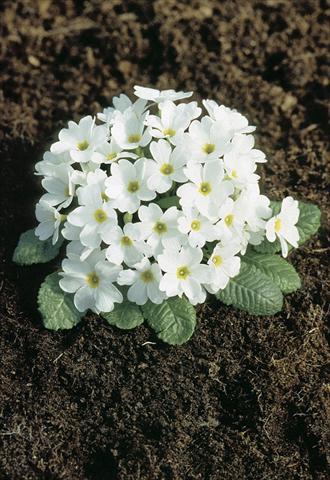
{"x": 125, "y": 315}
{"x": 56, "y": 307}
{"x": 174, "y": 320}
{"x": 282, "y": 273}
{"x": 167, "y": 202}
{"x": 253, "y": 291}
{"x": 31, "y": 250}
{"x": 309, "y": 221}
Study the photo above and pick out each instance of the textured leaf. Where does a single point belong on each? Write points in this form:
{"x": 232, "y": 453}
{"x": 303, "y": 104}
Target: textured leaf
{"x": 309, "y": 221}
{"x": 56, "y": 307}
{"x": 281, "y": 272}
{"x": 174, "y": 320}
{"x": 125, "y": 315}
{"x": 31, "y": 250}
{"x": 252, "y": 291}
{"x": 168, "y": 202}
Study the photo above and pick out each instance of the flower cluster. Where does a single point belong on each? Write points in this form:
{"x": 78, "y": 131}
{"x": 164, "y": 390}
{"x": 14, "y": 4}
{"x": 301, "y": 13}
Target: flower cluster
{"x": 155, "y": 197}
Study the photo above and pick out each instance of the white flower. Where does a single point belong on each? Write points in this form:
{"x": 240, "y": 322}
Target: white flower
{"x": 126, "y": 245}
{"x": 49, "y": 160}
{"x": 184, "y": 273}
{"x": 59, "y": 186}
{"x": 108, "y": 153}
{"x": 92, "y": 282}
{"x": 207, "y": 190}
{"x": 144, "y": 281}
{"x": 167, "y": 166}
{"x": 128, "y": 185}
{"x": 254, "y": 208}
{"x": 49, "y": 221}
{"x": 205, "y": 140}
{"x": 230, "y": 120}
{"x": 80, "y": 139}
{"x": 232, "y": 220}
{"x": 283, "y": 225}
{"x": 95, "y": 216}
{"x": 121, "y": 104}
{"x": 198, "y": 228}
{"x": 173, "y": 120}
{"x": 128, "y": 130}
{"x": 160, "y": 228}
{"x": 224, "y": 265}
{"x": 159, "y": 95}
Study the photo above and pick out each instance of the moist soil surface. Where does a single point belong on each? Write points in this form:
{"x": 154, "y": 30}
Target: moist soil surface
{"x": 246, "y": 397}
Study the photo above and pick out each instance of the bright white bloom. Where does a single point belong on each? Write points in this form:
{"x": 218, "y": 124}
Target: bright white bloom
{"x": 128, "y": 185}
{"x": 283, "y": 225}
{"x": 230, "y": 120}
{"x": 105, "y": 188}
{"x": 159, "y": 95}
{"x": 223, "y": 266}
{"x": 110, "y": 152}
{"x": 198, "y": 228}
{"x": 91, "y": 281}
{"x": 128, "y": 130}
{"x": 81, "y": 139}
{"x": 167, "y": 166}
{"x": 184, "y": 273}
{"x": 160, "y": 229}
{"x": 232, "y": 220}
{"x": 49, "y": 160}
{"x": 95, "y": 216}
{"x": 205, "y": 141}
{"x": 49, "y": 221}
{"x": 173, "y": 120}
{"x": 126, "y": 245}
{"x": 121, "y": 104}
{"x": 144, "y": 281}
{"x": 207, "y": 189}
{"x": 58, "y": 184}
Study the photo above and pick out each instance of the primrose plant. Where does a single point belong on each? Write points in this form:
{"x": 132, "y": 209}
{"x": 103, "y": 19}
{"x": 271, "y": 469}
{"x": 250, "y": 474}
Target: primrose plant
{"x": 159, "y": 204}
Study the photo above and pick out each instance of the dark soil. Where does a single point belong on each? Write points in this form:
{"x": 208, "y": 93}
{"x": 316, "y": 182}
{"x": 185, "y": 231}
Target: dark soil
{"x": 247, "y": 397}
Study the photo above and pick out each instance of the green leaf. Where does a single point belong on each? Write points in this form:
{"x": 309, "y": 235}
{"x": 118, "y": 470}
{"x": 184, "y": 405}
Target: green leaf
{"x": 125, "y": 315}
{"x": 268, "y": 247}
{"x": 308, "y": 222}
{"x": 168, "y": 202}
{"x": 31, "y": 250}
{"x": 56, "y": 307}
{"x": 174, "y": 320}
{"x": 251, "y": 290}
{"x": 281, "y": 272}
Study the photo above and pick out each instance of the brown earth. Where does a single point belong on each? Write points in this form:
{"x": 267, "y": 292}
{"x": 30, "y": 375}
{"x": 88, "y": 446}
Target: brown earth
{"x": 246, "y": 398}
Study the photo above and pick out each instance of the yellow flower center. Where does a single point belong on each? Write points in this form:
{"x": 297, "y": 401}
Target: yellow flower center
{"x": 208, "y": 148}
{"x": 126, "y": 241}
{"x": 100, "y": 215}
{"x": 83, "y": 145}
{"x": 216, "y": 260}
{"x": 160, "y": 228}
{"x": 229, "y": 220}
{"x": 166, "y": 169}
{"x": 134, "y": 138}
{"x": 278, "y": 225}
{"x": 205, "y": 188}
{"x": 133, "y": 186}
{"x": 147, "y": 276}
{"x": 92, "y": 280}
{"x": 169, "y": 132}
{"x": 195, "y": 225}
{"x": 182, "y": 273}
{"x": 234, "y": 174}
{"x": 111, "y": 156}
